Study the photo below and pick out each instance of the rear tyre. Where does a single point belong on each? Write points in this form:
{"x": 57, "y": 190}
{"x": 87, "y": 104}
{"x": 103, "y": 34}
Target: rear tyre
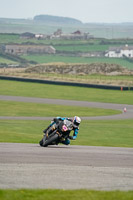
{"x": 41, "y": 143}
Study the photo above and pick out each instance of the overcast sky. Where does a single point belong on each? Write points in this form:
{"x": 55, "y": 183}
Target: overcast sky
{"x": 84, "y": 10}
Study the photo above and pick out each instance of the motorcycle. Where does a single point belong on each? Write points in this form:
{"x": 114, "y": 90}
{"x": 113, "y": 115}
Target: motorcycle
{"x": 57, "y": 133}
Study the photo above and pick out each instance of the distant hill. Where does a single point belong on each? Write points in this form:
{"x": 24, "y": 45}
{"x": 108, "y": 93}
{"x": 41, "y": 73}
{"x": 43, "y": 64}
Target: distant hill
{"x": 47, "y": 24}
{"x": 56, "y": 19}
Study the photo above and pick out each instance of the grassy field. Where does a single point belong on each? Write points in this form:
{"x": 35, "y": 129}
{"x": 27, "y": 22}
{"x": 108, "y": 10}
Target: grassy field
{"x": 9, "y": 38}
{"x": 82, "y": 48}
{"x": 15, "y": 38}
{"x": 92, "y": 42}
{"x": 65, "y": 92}
{"x": 10, "y": 108}
{"x": 64, "y": 195}
{"x": 7, "y": 61}
{"x": 69, "y": 59}
{"x": 109, "y": 133}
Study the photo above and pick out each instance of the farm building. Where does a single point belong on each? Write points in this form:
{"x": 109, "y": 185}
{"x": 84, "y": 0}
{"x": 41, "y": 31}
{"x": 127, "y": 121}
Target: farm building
{"x": 70, "y": 36}
{"x": 19, "y": 49}
{"x": 119, "y": 52}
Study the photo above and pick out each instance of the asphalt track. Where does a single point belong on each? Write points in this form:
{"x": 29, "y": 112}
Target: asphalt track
{"x": 66, "y": 167}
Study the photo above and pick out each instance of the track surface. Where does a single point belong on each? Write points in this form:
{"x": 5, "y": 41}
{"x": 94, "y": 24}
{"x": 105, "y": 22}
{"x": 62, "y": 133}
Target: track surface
{"x": 66, "y": 167}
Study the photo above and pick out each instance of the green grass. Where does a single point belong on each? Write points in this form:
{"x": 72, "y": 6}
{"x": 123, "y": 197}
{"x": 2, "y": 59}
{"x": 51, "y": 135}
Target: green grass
{"x": 115, "y": 133}
{"x": 21, "y": 131}
{"x": 69, "y": 59}
{"x": 11, "y": 108}
{"x": 93, "y": 43}
{"x": 8, "y": 38}
{"x": 82, "y": 48}
{"x": 7, "y": 61}
{"x": 111, "y": 133}
{"x": 64, "y": 195}
{"x": 15, "y": 88}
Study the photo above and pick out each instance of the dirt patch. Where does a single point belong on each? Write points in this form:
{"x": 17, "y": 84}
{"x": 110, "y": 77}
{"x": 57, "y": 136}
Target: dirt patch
{"x": 79, "y": 69}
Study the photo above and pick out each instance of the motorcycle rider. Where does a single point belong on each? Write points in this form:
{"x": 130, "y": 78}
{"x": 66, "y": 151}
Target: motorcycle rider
{"x": 75, "y": 121}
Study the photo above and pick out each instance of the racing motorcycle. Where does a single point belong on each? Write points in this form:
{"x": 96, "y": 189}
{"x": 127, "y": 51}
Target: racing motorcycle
{"x": 58, "y": 133}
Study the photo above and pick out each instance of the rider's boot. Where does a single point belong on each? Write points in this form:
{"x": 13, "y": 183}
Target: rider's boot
{"x": 50, "y": 129}
{"x": 66, "y": 141}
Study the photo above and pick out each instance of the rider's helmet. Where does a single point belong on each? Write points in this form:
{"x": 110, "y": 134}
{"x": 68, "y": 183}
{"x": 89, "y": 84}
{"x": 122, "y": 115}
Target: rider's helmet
{"x": 76, "y": 121}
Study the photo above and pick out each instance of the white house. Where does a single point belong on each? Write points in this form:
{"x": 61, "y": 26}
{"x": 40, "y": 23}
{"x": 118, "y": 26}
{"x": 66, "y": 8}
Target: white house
{"x": 39, "y": 36}
{"x": 119, "y": 52}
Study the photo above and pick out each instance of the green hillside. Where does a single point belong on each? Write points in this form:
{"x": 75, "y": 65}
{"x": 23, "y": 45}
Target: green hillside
{"x": 56, "y": 19}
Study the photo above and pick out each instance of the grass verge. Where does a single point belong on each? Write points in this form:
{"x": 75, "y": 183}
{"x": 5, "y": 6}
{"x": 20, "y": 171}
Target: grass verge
{"x": 11, "y": 108}
{"x": 15, "y": 88}
{"x": 110, "y": 133}
{"x": 65, "y": 194}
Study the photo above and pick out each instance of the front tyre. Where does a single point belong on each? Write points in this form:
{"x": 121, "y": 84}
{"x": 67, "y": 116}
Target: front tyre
{"x": 42, "y": 141}
{"x": 49, "y": 141}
